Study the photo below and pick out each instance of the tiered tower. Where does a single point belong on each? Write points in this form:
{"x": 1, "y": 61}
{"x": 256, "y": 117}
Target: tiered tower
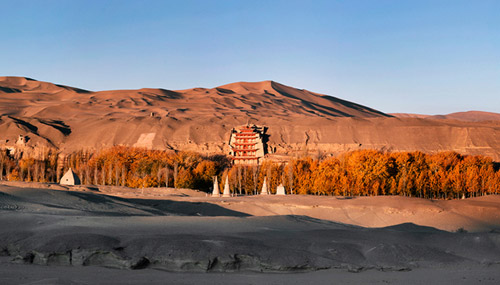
{"x": 246, "y": 145}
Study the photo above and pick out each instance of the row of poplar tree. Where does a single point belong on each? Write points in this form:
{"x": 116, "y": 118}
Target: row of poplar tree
{"x": 443, "y": 175}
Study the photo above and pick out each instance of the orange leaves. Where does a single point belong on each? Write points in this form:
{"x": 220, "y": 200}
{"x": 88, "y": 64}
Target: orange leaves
{"x": 443, "y": 175}
{"x": 206, "y": 169}
{"x": 142, "y": 182}
{"x": 140, "y": 167}
{"x": 14, "y": 176}
{"x": 303, "y": 170}
{"x": 369, "y": 172}
{"x": 326, "y": 178}
{"x": 185, "y": 179}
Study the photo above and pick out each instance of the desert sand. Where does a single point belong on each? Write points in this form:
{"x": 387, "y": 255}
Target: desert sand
{"x": 469, "y": 116}
{"x": 88, "y": 235}
{"x": 200, "y": 119}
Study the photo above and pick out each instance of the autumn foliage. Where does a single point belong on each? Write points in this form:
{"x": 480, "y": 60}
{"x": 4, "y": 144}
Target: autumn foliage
{"x": 443, "y": 175}
{"x": 370, "y": 173}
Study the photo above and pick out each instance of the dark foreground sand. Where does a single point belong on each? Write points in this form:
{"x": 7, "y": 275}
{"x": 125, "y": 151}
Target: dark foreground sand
{"x": 24, "y": 274}
{"x": 52, "y": 236}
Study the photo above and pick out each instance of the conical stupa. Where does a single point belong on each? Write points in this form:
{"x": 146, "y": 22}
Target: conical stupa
{"x": 216, "y": 192}
{"x": 70, "y": 178}
{"x": 226, "y": 188}
{"x": 264, "y": 188}
{"x": 280, "y": 190}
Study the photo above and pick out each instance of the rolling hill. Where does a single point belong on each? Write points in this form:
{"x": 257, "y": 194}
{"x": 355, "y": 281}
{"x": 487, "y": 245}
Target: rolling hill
{"x": 469, "y": 116}
{"x": 200, "y": 119}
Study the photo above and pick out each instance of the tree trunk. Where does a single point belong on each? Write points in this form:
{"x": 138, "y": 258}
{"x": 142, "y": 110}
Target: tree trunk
{"x": 124, "y": 174}
{"x": 239, "y": 179}
{"x": 117, "y": 175}
{"x": 167, "y": 172}
{"x": 103, "y": 175}
{"x": 176, "y": 166}
{"x": 158, "y": 176}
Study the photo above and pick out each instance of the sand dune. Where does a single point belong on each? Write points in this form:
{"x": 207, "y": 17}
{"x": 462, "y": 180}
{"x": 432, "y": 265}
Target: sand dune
{"x": 200, "y": 119}
{"x": 185, "y": 231}
{"x": 469, "y": 116}
{"x": 409, "y": 115}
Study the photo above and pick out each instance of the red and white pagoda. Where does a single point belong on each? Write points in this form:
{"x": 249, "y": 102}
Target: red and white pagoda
{"x": 246, "y": 145}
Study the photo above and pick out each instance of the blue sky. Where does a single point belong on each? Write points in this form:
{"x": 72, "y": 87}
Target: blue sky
{"x": 431, "y": 57}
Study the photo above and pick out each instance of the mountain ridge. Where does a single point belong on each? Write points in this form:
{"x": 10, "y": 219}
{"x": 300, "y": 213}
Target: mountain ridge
{"x": 468, "y": 116}
{"x": 251, "y": 99}
{"x": 298, "y": 121}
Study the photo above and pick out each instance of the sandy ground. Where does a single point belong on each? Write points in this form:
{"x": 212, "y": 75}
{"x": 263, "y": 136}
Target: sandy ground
{"x": 16, "y": 274}
{"x": 51, "y": 234}
{"x": 476, "y": 214}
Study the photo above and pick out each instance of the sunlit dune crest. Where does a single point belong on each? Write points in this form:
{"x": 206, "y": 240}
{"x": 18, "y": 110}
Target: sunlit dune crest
{"x": 200, "y": 119}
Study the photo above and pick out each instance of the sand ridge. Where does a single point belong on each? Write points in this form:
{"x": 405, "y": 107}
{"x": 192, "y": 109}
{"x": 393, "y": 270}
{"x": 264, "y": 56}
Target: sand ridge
{"x": 200, "y": 119}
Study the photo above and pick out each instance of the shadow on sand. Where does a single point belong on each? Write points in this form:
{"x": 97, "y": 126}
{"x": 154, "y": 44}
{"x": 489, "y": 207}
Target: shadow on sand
{"x": 158, "y": 207}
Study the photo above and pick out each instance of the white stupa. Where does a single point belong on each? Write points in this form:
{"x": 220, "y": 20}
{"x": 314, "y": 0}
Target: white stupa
{"x": 216, "y": 192}
{"x": 70, "y": 178}
{"x": 226, "y": 188}
{"x": 264, "y": 188}
{"x": 280, "y": 190}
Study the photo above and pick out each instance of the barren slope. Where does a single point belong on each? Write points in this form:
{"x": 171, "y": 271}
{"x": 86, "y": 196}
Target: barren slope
{"x": 469, "y": 116}
{"x": 200, "y": 119}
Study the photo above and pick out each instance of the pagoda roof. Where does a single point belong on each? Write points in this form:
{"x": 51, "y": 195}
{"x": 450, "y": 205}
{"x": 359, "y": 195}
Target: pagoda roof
{"x": 247, "y": 143}
{"x": 246, "y": 134}
{"x": 245, "y": 158}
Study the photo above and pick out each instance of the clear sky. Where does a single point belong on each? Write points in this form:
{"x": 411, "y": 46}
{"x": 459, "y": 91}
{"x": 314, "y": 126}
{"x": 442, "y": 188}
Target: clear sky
{"x": 431, "y": 57}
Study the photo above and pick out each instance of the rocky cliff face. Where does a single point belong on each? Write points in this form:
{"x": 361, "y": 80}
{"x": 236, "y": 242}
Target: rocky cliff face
{"x": 200, "y": 119}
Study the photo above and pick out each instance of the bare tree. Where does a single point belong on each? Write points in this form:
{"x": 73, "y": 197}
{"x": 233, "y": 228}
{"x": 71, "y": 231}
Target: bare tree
{"x": 270, "y": 179}
{"x": 28, "y": 177}
{"x": 42, "y": 170}
{"x": 103, "y": 175}
{"x": 8, "y": 170}
{"x": 158, "y": 176}
{"x": 20, "y": 171}
{"x": 290, "y": 177}
{"x": 245, "y": 179}
{"x": 58, "y": 173}
{"x": 255, "y": 173}
{"x": 2, "y": 164}
{"x": 124, "y": 174}
{"x": 36, "y": 171}
{"x": 167, "y": 171}
{"x": 239, "y": 179}
{"x": 87, "y": 175}
{"x": 117, "y": 175}
{"x": 110, "y": 174}
{"x": 176, "y": 166}
{"x": 95, "y": 175}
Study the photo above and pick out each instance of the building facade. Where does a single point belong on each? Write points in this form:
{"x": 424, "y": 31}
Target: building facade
{"x": 247, "y": 146}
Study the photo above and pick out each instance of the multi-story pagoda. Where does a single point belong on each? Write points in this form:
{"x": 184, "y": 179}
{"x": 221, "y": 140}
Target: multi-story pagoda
{"x": 247, "y": 145}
